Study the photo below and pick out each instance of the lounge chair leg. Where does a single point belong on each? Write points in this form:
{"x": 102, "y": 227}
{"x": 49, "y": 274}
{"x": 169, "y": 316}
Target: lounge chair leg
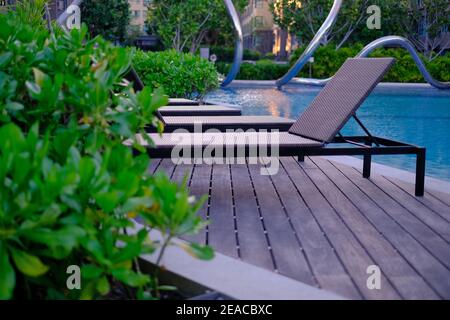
{"x": 367, "y": 164}
{"x": 301, "y": 158}
{"x": 420, "y": 172}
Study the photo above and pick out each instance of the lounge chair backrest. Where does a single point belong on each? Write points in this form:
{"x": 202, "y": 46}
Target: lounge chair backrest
{"x": 340, "y": 98}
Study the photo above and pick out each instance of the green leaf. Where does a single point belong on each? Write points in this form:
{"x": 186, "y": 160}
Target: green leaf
{"x": 198, "y": 251}
{"x": 11, "y": 135}
{"x": 88, "y": 291}
{"x": 14, "y": 106}
{"x": 103, "y": 286}
{"x": 130, "y": 277}
{"x": 5, "y": 58}
{"x": 7, "y": 274}
{"x": 29, "y": 265}
{"x": 107, "y": 200}
{"x": 91, "y": 271}
{"x": 39, "y": 77}
{"x": 167, "y": 288}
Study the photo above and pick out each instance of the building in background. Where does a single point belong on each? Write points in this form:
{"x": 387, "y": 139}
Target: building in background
{"x": 138, "y": 26}
{"x": 139, "y": 16}
{"x": 57, "y": 7}
{"x": 262, "y": 34}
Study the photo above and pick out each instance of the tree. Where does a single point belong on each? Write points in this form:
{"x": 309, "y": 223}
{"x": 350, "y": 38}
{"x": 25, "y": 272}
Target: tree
{"x": 184, "y": 24}
{"x": 427, "y": 23}
{"x": 109, "y": 18}
{"x": 304, "y": 18}
{"x": 31, "y": 11}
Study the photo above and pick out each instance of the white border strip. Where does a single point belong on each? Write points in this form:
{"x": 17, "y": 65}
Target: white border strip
{"x": 232, "y": 277}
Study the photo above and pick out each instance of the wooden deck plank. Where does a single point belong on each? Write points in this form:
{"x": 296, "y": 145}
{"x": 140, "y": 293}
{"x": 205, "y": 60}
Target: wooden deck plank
{"x": 443, "y": 197}
{"x": 324, "y": 225}
{"x": 426, "y": 236}
{"x": 423, "y": 260}
{"x": 428, "y": 200}
{"x": 432, "y": 240}
{"x": 154, "y": 163}
{"x": 350, "y": 252}
{"x": 167, "y": 166}
{"x": 415, "y": 207}
{"x": 199, "y": 186}
{"x": 253, "y": 243}
{"x": 381, "y": 241}
{"x": 222, "y": 231}
{"x": 182, "y": 172}
{"x": 289, "y": 259}
{"x": 326, "y": 266}
{"x": 369, "y": 243}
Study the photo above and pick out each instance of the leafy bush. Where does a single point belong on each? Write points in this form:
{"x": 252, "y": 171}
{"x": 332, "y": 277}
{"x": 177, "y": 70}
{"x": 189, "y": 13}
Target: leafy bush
{"x": 224, "y": 54}
{"x": 68, "y": 185}
{"x": 328, "y": 61}
{"x": 261, "y": 70}
{"x": 250, "y": 54}
{"x": 183, "y": 75}
{"x": 269, "y": 56}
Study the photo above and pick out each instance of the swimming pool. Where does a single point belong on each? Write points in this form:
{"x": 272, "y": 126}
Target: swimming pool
{"x": 410, "y": 114}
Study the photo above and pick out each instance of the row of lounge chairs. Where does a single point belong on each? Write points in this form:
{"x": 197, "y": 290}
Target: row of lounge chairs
{"x": 315, "y": 133}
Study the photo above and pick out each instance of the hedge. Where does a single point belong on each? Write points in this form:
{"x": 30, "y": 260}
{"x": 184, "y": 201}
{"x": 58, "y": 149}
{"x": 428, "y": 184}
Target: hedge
{"x": 261, "y": 70}
{"x": 328, "y": 61}
{"x": 226, "y": 54}
{"x": 182, "y": 75}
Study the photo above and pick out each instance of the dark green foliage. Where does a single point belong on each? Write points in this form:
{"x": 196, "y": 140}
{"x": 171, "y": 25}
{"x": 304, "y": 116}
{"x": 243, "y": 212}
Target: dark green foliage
{"x": 261, "y": 70}
{"x": 182, "y": 75}
{"x": 69, "y": 187}
{"x": 184, "y": 25}
{"x": 328, "y": 61}
{"x": 226, "y": 54}
{"x": 108, "y": 18}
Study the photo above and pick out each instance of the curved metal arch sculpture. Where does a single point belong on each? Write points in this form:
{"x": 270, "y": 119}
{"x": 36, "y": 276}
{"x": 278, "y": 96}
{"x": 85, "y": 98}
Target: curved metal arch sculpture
{"x": 366, "y": 51}
{"x": 239, "y": 46}
{"x": 313, "y": 45}
{"x": 379, "y": 43}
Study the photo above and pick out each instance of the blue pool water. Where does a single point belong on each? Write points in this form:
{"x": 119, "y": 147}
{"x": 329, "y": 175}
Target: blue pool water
{"x": 414, "y": 115}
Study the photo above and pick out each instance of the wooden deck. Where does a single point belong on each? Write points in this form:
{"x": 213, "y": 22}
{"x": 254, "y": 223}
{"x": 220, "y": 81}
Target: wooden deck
{"x": 321, "y": 223}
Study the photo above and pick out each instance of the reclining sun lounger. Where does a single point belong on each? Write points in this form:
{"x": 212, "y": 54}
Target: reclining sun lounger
{"x": 182, "y": 102}
{"x": 315, "y": 133}
{"x": 222, "y": 123}
{"x": 198, "y": 110}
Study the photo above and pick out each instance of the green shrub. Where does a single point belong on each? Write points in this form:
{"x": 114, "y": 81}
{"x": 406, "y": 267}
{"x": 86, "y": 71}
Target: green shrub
{"x": 250, "y": 54}
{"x": 68, "y": 185}
{"x": 183, "y": 75}
{"x": 222, "y": 67}
{"x": 261, "y": 70}
{"x": 269, "y": 56}
{"x": 328, "y": 60}
{"x": 224, "y": 54}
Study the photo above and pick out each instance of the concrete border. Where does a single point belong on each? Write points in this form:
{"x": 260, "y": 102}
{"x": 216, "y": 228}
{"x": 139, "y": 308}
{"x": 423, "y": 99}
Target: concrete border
{"x": 232, "y": 277}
